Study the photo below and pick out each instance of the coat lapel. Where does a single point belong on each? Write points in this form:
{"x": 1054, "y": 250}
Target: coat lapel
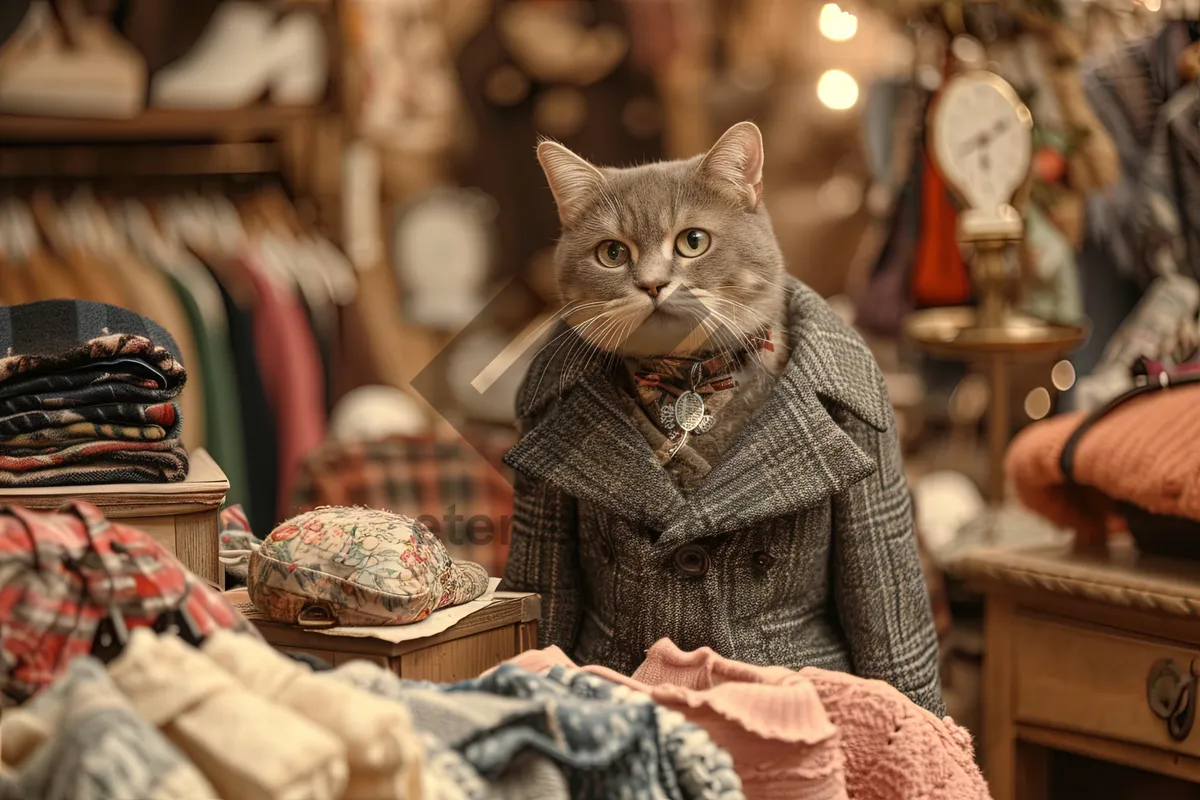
{"x": 588, "y": 447}
{"x": 791, "y": 455}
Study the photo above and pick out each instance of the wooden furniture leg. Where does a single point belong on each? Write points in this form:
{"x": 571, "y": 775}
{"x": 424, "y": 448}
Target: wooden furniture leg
{"x": 999, "y": 728}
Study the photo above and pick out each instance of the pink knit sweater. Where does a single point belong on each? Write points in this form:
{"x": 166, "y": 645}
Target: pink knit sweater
{"x": 891, "y": 748}
{"x": 781, "y": 741}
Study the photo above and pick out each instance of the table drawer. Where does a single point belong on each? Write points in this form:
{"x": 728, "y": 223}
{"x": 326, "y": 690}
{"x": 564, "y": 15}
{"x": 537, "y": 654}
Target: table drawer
{"x": 1092, "y": 681}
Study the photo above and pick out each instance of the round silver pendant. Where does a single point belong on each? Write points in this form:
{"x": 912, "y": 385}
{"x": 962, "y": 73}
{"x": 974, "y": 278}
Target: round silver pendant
{"x": 689, "y": 411}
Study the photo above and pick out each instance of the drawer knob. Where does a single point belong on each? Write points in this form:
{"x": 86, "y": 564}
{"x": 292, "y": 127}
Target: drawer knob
{"x": 1171, "y": 693}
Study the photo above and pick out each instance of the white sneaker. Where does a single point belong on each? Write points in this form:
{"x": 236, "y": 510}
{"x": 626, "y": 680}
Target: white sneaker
{"x": 101, "y": 76}
{"x": 243, "y": 55}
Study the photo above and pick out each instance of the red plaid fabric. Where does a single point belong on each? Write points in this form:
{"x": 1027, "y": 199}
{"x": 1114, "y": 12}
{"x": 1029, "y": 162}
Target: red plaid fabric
{"x": 460, "y": 490}
{"x": 63, "y": 573}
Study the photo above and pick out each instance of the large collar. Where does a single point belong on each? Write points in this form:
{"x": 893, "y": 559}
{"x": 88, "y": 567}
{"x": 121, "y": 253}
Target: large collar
{"x": 791, "y": 454}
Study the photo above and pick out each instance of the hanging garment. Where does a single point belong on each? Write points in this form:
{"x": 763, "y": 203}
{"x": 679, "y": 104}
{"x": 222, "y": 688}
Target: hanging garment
{"x": 258, "y": 423}
{"x": 1128, "y": 90}
{"x": 81, "y": 740}
{"x": 1054, "y": 292}
{"x": 939, "y": 276}
{"x": 290, "y": 364}
{"x": 224, "y": 437}
{"x": 781, "y": 741}
{"x": 888, "y": 296}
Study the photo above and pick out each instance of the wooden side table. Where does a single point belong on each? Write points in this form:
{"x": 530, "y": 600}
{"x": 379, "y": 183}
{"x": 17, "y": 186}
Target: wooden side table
{"x": 184, "y": 517}
{"x": 1073, "y": 642}
{"x": 506, "y": 627}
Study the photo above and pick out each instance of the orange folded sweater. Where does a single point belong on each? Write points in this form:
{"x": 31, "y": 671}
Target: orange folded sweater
{"x": 1145, "y": 452}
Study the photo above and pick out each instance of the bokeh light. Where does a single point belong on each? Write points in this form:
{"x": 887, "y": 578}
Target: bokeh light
{"x": 837, "y": 90}
{"x": 835, "y": 24}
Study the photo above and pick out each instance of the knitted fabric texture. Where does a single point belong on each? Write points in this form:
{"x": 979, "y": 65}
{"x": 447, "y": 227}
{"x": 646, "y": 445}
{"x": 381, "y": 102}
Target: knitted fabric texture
{"x": 383, "y": 752}
{"x": 782, "y": 742}
{"x": 607, "y": 740}
{"x": 221, "y": 724}
{"x": 361, "y": 567}
{"x": 894, "y": 749}
{"x": 1145, "y": 452}
{"x": 78, "y": 739}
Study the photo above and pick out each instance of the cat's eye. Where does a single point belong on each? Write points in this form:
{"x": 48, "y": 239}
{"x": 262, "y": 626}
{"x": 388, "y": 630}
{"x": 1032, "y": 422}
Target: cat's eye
{"x": 692, "y": 242}
{"x": 612, "y": 254}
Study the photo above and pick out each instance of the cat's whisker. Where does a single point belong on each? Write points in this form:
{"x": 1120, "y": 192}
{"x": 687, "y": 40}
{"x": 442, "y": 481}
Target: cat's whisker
{"x": 587, "y": 347}
{"x": 570, "y": 330}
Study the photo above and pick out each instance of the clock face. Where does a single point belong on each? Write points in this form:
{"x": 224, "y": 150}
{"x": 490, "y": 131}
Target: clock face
{"x": 982, "y": 139}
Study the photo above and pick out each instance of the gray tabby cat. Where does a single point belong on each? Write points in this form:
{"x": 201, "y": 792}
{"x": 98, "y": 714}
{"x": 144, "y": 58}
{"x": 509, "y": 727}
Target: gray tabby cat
{"x": 769, "y": 518}
{"x": 675, "y": 258}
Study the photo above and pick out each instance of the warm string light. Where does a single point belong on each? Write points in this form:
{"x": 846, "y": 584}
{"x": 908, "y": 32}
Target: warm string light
{"x": 835, "y": 24}
{"x": 837, "y": 90}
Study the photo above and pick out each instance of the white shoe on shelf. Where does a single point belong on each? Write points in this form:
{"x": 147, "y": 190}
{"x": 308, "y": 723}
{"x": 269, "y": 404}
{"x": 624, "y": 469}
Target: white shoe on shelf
{"x": 100, "y": 76}
{"x": 244, "y": 54}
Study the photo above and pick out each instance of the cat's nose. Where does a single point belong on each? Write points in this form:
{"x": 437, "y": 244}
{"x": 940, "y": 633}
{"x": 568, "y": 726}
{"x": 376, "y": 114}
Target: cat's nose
{"x": 652, "y": 287}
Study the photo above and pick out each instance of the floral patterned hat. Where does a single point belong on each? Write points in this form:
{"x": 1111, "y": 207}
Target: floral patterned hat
{"x": 357, "y": 566}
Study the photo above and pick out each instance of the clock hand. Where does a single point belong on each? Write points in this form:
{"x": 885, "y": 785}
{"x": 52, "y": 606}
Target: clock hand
{"x": 983, "y": 138}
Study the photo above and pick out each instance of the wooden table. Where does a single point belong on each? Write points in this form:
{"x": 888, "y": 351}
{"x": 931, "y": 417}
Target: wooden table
{"x": 184, "y": 517}
{"x": 1072, "y": 639}
{"x": 506, "y": 627}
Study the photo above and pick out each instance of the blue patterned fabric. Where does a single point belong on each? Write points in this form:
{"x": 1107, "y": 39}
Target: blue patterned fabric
{"x": 607, "y": 740}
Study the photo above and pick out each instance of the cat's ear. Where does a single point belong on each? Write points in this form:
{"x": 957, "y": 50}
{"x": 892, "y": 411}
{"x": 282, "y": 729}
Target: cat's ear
{"x": 735, "y": 163}
{"x": 572, "y": 179}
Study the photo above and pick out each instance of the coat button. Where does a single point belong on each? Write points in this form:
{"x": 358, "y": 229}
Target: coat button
{"x": 763, "y": 559}
{"x": 691, "y": 560}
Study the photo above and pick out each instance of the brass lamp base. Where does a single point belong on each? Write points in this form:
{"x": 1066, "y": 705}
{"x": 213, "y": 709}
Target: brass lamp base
{"x": 958, "y": 333}
{"x": 962, "y": 334}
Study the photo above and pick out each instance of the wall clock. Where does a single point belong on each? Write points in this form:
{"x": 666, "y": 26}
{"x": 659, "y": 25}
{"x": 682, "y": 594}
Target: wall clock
{"x": 981, "y": 139}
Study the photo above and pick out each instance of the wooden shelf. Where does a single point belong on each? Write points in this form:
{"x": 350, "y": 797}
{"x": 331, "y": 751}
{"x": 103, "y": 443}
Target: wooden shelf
{"x": 234, "y": 125}
{"x": 114, "y": 160}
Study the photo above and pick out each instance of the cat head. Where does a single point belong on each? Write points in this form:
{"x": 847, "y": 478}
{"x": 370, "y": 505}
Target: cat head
{"x": 675, "y": 257}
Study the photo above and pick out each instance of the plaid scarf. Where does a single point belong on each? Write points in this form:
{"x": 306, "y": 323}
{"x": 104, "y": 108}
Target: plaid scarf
{"x": 660, "y": 381}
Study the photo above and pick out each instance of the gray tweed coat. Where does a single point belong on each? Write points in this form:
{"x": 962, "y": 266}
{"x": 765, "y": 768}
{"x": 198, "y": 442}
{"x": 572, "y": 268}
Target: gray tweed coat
{"x": 797, "y": 549}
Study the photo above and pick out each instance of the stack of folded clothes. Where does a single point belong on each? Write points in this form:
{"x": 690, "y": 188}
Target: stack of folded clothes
{"x": 87, "y": 396}
{"x": 1132, "y": 465}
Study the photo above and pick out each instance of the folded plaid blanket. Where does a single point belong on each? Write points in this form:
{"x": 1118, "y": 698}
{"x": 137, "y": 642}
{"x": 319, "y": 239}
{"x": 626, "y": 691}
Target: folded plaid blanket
{"x": 167, "y": 467}
{"x": 86, "y": 394}
{"x": 26, "y": 459}
{"x": 76, "y": 432}
{"x": 163, "y": 415}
